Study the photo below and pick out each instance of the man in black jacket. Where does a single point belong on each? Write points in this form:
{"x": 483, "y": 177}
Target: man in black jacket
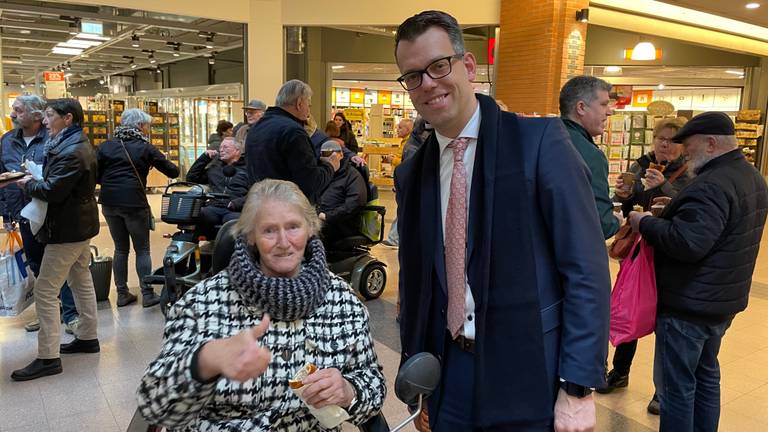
{"x": 225, "y": 174}
{"x": 705, "y": 243}
{"x": 342, "y": 200}
{"x": 278, "y": 147}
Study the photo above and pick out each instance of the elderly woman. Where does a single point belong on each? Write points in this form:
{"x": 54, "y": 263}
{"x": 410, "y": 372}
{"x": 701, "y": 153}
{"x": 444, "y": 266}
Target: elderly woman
{"x": 234, "y": 340}
{"x": 665, "y": 172}
{"x": 124, "y": 163}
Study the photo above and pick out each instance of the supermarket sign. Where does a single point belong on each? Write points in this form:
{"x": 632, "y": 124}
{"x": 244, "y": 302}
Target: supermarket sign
{"x": 55, "y": 85}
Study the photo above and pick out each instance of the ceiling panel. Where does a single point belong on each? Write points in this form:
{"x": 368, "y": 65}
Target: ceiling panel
{"x": 733, "y": 9}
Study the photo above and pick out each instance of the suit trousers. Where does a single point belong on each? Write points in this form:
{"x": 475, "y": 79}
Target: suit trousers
{"x": 457, "y": 390}
{"x": 64, "y": 262}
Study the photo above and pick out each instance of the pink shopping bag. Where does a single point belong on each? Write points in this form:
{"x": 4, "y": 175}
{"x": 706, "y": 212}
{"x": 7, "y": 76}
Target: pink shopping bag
{"x": 633, "y": 300}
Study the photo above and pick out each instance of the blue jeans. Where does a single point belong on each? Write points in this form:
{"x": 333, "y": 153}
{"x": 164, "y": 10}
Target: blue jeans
{"x": 126, "y": 225}
{"x": 687, "y": 374}
{"x": 34, "y": 250}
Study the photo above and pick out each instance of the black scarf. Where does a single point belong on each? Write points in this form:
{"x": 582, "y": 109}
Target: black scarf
{"x": 285, "y": 299}
{"x": 130, "y": 133}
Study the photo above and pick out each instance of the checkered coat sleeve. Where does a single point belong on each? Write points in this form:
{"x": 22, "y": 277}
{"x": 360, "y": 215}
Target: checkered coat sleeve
{"x": 336, "y": 335}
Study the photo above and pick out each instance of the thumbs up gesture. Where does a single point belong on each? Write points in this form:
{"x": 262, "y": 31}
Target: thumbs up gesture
{"x": 240, "y": 357}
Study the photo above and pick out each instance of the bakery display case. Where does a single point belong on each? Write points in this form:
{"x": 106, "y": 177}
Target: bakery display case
{"x": 96, "y": 126}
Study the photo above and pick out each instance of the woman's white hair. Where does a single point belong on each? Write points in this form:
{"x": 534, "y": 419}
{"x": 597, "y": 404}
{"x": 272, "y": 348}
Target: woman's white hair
{"x": 270, "y": 190}
{"x": 132, "y": 118}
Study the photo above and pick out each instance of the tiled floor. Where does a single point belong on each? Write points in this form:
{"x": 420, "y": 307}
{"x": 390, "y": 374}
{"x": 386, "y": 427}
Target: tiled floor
{"x": 96, "y": 391}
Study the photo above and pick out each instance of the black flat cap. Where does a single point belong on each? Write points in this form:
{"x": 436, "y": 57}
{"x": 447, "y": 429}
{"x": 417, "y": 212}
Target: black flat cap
{"x": 708, "y": 123}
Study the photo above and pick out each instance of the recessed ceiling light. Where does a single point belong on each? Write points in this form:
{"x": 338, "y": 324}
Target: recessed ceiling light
{"x": 734, "y": 72}
{"x": 67, "y": 51}
{"x": 612, "y": 69}
{"x": 337, "y": 67}
{"x": 752, "y": 5}
{"x": 661, "y": 86}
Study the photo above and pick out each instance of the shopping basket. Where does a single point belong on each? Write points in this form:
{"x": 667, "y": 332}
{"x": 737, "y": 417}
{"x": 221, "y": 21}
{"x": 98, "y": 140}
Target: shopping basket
{"x": 182, "y": 207}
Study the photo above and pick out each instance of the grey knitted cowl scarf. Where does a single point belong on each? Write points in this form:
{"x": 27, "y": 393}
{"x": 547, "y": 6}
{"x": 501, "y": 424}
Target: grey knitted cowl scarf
{"x": 285, "y": 299}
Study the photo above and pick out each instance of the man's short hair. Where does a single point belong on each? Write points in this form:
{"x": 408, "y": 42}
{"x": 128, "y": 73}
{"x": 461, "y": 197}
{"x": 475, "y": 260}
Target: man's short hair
{"x": 291, "y": 92}
{"x": 581, "y": 88}
{"x": 239, "y": 145}
{"x": 33, "y": 104}
{"x": 418, "y": 24}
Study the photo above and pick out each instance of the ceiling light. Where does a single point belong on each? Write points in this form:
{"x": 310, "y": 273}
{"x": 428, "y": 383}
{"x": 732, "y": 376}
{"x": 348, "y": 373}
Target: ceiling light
{"x": 67, "y": 51}
{"x": 22, "y": 85}
{"x": 642, "y": 51}
{"x": 68, "y": 66}
{"x": 101, "y": 81}
{"x": 73, "y": 30}
{"x": 337, "y": 67}
{"x": 752, "y": 5}
{"x": 82, "y": 42}
{"x": 152, "y": 59}
{"x": 24, "y": 31}
{"x": 176, "y": 51}
{"x": 133, "y": 65}
{"x": 92, "y": 37}
{"x": 211, "y": 60}
{"x": 660, "y": 86}
{"x": 68, "y": 74}
{"x": 209, "y": 42}
{"x": 135, "y": 41}
{"x": 612, "y": 69}
{"x": 734, "y": 72}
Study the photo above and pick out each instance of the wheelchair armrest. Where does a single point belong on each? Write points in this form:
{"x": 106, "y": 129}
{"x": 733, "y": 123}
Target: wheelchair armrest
{"x": 378, "y": 209}
{"x": 376, "y": 423}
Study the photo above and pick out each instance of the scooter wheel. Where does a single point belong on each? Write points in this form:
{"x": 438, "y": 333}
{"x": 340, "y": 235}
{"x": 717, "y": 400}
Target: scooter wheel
{"x": 373, "y": 280}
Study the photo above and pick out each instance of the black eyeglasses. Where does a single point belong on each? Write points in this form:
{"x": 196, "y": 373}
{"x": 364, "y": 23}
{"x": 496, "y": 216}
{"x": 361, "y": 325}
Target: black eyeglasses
{"x": 437, "y": 69}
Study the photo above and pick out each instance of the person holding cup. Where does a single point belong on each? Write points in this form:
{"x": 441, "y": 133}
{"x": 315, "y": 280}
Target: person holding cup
{"x": 658, "y": 174}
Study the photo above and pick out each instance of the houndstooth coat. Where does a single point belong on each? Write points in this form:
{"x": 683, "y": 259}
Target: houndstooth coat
{"x": 335, "y": 335}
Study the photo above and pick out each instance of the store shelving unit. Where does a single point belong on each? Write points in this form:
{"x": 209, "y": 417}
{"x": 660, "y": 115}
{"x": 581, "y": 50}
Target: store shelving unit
{"x": 96, "y": 126}
{"x": 749, "y": 133}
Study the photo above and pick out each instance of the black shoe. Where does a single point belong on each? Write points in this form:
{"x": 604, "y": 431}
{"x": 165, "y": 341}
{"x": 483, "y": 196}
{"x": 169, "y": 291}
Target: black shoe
{"x": 149, "y": 299}
{"x": 80, "y": 346}
{"x": 38, "y": 369}
{"x": 653, "y": 405}
{"x": 615, "y": 380}
{"x": 125, "y": 298}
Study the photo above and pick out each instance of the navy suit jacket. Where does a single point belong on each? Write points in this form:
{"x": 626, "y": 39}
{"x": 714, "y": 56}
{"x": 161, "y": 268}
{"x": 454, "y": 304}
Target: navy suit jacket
{"x": 537, "y": 266}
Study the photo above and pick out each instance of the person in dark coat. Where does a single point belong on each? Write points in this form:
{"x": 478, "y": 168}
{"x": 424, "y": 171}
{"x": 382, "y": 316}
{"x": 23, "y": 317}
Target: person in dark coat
{"x": 278, "y": 147}
{"x": 705, "y": 243}
{"x": 27, "y": 142}
{"x": 503, "y": 265}
{"x": 124, "y": 164}
{"x": 585, "y": 107}
{"x": 71, "y": 220}
{"x": 342, "y": 200}
{"x": 225, "y": 172}
{"x": 345, "y": 132}
{"x": 666, "y": 156}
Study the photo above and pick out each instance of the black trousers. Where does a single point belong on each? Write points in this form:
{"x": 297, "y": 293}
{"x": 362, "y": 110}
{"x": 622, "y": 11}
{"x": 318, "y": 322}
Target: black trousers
{"x": 622, "y": 357}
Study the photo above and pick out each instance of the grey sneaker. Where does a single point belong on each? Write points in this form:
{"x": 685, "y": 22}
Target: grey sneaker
{"x": 33, "y": 325}
{"x": 71, "y": 327}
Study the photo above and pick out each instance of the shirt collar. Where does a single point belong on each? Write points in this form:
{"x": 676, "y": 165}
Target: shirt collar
{"x": 471, "y": 130}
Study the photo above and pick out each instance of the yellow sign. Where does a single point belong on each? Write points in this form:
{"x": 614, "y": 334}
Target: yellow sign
{"x": 357, "y": 97}
{"x": 385, "y": 97}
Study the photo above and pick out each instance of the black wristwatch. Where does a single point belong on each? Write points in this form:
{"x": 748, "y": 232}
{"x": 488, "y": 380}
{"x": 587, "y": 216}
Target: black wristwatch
{"x": 575, "y": 390}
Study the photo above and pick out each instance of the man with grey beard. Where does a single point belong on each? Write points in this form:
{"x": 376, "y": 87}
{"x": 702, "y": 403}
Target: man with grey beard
{"x": 705, "y": 243}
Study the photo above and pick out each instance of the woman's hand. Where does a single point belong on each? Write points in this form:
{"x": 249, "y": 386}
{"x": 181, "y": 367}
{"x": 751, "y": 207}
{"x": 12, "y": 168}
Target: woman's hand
{"x": 239, "y": 357}
{"x": 653, "y": 178}
{"x": 622, "y": 191}
{"x": 327, "y": 387}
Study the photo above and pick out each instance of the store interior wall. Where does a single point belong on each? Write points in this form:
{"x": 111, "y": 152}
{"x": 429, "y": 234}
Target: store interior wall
{"x": 605, "y": 47}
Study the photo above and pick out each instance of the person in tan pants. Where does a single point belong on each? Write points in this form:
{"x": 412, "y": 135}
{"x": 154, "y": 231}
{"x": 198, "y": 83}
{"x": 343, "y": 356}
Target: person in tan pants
{"x": 68, "y": 185}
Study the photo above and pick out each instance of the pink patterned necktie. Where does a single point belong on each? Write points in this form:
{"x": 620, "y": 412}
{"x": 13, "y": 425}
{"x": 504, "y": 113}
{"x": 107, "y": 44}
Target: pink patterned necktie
{"x": 456, "y": 236}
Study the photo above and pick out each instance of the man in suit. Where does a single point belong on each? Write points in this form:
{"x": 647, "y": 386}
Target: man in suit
{"x": 503, "y": 267}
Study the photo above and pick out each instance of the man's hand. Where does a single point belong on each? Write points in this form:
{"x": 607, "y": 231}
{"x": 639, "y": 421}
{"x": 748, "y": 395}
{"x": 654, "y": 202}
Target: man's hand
{"x": 22, "y": 181}
{"x": 327, "y": 387}
{"x": 635, "y": 218}
{"x": 321, "y": 216}
{"x": 357, "y": 160}
{"x": 334, "y": 159}
{"x": 574, "y": 414}
{"x": 619, "y": 216}
{"x": 212, "y": 153}
{"x": 421, "y": 423}
{"x": 653, "y": 178}
{"x": 239, "y": 357}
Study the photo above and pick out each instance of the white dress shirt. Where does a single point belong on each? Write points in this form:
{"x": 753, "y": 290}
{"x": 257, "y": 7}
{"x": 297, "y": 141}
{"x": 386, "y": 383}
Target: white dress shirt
{"x": 471, "y": 131}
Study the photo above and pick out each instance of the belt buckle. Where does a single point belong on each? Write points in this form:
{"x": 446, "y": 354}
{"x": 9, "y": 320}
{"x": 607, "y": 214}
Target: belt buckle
{"x": 465, "y": 344}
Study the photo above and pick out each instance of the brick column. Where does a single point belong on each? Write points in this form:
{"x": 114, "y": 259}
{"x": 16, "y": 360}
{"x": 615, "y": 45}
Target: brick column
{"x": 540, "y": 47}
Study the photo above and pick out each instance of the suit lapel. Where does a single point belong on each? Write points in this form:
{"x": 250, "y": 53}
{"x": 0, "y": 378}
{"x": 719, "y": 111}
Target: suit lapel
{"x": 431, "y": 216}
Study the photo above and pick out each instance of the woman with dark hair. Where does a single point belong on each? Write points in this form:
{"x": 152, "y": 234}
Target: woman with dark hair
{"x": 71, "y": 220}
{"x": 124, "y": 163}
{"x": 345, "y": 132}
{"x": 223, "y": 129}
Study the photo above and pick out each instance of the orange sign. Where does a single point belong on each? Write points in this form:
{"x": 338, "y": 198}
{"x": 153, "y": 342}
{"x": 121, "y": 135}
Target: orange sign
{"x": 641, "y": 98}
{"x": 53, "y": 76}
{"x": 357, "y": 96}
{"x": 385, "y": 97}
